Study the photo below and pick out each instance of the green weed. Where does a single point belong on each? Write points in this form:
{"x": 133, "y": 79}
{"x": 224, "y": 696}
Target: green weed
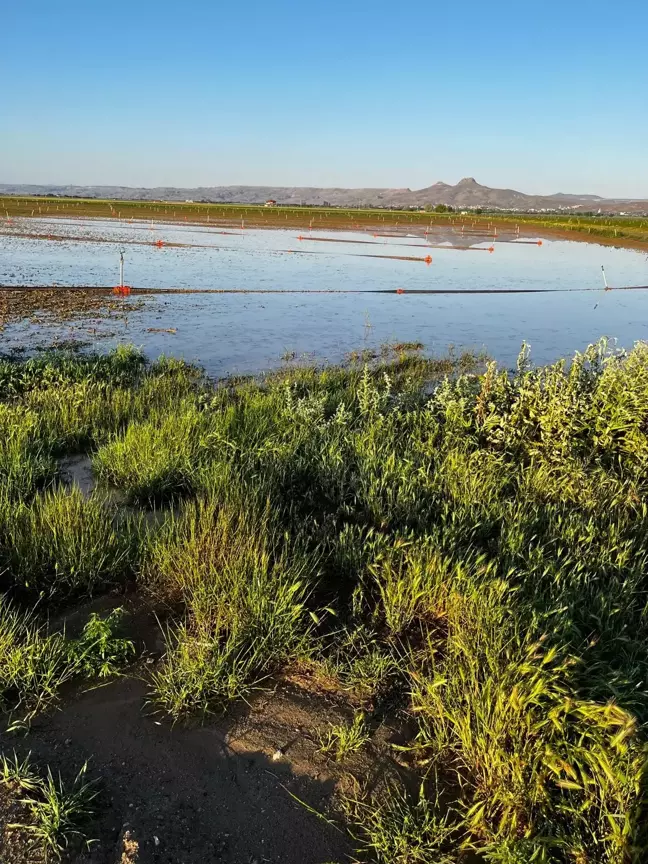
{"x": 60, "y": 813}
{"x": 342, "y": 739}
{"x": 100, "y": 651}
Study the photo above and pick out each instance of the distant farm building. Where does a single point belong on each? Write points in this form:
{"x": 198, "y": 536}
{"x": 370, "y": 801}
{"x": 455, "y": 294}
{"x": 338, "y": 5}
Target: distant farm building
{"x": 271, "y": 203}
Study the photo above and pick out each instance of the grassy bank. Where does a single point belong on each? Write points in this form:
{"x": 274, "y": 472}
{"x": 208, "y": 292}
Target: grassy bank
{"x": 460, "y": 546}
{"x": 619, "y": 230}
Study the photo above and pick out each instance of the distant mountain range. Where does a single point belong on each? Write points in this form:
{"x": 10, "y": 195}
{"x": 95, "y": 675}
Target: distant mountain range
{"x": 467, "y": 193}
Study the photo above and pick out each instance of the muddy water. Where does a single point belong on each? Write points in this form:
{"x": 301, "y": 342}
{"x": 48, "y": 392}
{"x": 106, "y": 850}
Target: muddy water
{"x": 247, "y": 332}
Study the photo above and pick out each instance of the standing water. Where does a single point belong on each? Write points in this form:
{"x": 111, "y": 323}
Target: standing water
{"x": 333, "y": 280}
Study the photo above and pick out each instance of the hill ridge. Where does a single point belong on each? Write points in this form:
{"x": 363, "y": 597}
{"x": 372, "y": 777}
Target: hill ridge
{"x": 467, "y": 193}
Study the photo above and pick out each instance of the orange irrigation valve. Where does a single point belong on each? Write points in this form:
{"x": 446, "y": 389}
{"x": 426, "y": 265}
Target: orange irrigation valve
{"x": 539, "y": 242}
{"x": 400, "y": 290}
{"x": 159, "y": 243}
{"x": 491, "y": 248}
{"x": 428, "y": 259}
{"x": 122, "y": 290}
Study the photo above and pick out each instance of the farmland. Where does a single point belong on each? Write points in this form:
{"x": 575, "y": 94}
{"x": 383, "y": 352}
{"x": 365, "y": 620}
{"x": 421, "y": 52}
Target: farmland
{"x": 616, "y": 230}
{"x": 437, "y": 564}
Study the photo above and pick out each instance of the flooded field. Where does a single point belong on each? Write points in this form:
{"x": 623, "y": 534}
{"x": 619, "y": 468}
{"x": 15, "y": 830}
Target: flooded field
{"x": 320, "y": 294}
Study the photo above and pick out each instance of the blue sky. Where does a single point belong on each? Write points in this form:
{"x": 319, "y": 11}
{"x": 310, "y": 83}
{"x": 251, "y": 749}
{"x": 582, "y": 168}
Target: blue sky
{"x": 543, "y": 97}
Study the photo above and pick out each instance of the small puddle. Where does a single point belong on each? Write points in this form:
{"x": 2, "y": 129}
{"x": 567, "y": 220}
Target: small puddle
{"x": 77, "y": 471}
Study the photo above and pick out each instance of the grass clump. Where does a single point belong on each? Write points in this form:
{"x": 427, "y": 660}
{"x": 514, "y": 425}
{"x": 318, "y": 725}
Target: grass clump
{"x": 60, "y": 812}
{"x": 63, "y": 544}
{"x": 17, "y": 772}
{"x": 355, "y": 664}
{"x": 25, "y": 464}
{"x": 33, "y": 663}
{"x": 342, "y": 739}
{"x": 202, "y": 673}
{"x": 398, "y": 828}
{"x": 245, "y": 598}
{"x": 155, "y": 460}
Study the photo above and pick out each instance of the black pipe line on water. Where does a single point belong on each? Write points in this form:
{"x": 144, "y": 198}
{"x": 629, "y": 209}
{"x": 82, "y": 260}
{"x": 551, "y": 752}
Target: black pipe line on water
{"x": 459, "y": 291}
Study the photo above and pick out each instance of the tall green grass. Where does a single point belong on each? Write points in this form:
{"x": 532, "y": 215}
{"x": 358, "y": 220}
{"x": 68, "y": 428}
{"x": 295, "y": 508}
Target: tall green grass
{"x": 61, "y": 544}
{"x": 244, "y": 589}
{"x": 463, "y": 543}
{"x": 154, "y": 460}
{"x": 25, "y": 463}
{"x": 33, "y": 663}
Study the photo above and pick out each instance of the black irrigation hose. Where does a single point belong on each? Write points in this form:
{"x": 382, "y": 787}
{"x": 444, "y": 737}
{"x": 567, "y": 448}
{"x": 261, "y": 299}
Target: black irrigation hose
{"x": 440, "y": 291}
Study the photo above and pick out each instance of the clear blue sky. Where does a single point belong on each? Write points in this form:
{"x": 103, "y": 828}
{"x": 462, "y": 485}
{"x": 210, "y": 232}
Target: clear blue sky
{"x": 544, "y": 97}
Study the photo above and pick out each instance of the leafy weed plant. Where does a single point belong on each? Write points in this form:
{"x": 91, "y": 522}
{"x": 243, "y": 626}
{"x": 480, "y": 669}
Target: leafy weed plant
{"x": 100, "y": 651}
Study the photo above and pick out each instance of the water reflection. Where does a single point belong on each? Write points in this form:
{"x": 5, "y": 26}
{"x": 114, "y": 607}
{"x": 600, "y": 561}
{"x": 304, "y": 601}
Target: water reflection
{"x": 243, "y": 332}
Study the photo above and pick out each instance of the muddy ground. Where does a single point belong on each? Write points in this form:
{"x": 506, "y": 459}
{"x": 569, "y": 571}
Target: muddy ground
{"x": 56, "y": 305}
{"x": 250, "y": 787}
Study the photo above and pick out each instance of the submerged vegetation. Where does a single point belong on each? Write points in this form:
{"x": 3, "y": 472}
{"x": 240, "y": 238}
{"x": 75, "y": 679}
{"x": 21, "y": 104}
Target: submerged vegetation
{"x": 53, "y": 306}
{"x": 460, "y": 544}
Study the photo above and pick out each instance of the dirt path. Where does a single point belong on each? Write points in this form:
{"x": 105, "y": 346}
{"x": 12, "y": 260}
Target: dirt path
{"x": 212, "y": 793}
